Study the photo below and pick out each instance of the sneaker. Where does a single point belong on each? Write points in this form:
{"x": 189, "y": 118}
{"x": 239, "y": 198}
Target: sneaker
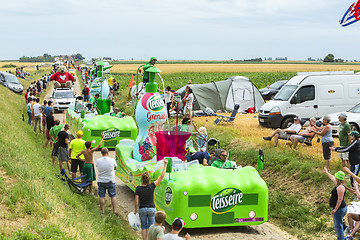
{"x": 346, "y": 231}
{"x": 267, "y": 138}
{"x": 348, "y": 237}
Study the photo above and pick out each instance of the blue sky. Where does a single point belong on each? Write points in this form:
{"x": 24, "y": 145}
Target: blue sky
{"x": 187, "y": 29}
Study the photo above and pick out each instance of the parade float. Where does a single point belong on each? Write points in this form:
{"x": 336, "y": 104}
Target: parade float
{"x": 201, "y": 196}
{"x": 98, "y": 120}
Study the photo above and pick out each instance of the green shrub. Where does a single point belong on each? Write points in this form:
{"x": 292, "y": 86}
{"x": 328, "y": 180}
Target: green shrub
{"x": 10, "y": 65}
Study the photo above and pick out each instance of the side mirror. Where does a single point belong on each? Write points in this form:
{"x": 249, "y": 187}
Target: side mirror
{"x": 293, "y": 100}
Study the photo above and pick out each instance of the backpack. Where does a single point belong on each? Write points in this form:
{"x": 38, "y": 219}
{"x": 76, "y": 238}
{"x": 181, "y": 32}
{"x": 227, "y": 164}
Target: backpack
{"x": 84, "y": 91}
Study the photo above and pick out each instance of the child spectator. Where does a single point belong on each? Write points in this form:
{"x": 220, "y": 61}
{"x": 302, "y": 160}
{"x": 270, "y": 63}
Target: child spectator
{"x": 156, "y": 231}
{"x": 176, "y": 226}
{"x": 88, "y": 168}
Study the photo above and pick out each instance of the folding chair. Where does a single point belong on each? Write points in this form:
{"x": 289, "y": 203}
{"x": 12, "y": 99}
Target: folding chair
{"x": 226, "y": 119}
{"x": 307, "y": 140}
{"x": 78, "y": 187}
{"x": 213, "y": 142}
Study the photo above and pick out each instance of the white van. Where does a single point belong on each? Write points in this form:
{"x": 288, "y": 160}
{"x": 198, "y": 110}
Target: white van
{"x": 311, "y": 96}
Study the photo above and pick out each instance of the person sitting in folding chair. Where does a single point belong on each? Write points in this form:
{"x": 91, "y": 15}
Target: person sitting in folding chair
{"x": 285, "y": 133}
{"x": 201, "y": 136}
{"x": 308, "y": 133}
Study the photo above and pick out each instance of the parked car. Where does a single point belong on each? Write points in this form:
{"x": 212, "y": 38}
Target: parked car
{"x": 353, "y": 117}
{"x": 11, "y": 82}
{"x": 310, "y": 96}
{"x": 269, "y": 92}
{"x": 62, "y": 98}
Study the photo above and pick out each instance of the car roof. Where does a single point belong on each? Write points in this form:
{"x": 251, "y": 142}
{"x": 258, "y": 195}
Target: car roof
{"x": 6, "y": 73}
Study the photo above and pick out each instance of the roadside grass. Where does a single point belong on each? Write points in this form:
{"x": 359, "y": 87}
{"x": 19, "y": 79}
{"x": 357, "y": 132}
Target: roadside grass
{"x": 34, "y": 203}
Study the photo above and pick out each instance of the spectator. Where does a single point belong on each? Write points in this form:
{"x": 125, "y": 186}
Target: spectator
{"x": 106, "y": 167}
{"x": 76, "y": 146}
{"x": 144, "y": 200}
{"x": 117, "y": 113}
{"x": 202, "y": 157}
{"x": 354, "y": 218}
{"x": 63, "y": 151}
{"x": 222, "y": 162}
{"x": 27, "y": 95}
{"x": 93, "y": 101}
{"x": 308, "y": 132}
{"x": 168, "y": 99}
{"x": 43, "y": 116}
{"x": 185, "y": 125}
{"x": 353, "y": 150}
{"x": 344, "y": 139}
{"x": 201, "y": 138}
{"x": 37, "y": 114}
{"x": 29, "y": 112}
{"x": 188, "y": 99}
{"x": 54, "y": 131}
{"x": 88, "y": 168}
{"x": 156, "y": 231}
{"x": 337, "y": 202}
{"x": 86, "y": 92}
{"x": 176, "y": 228}
{"x": 48, "y": 108}
{"x": 283, "y": 134}
{"x": 326, "y": 139}
{"x": 32, "y": 95}
{"x": 50, "y": 122}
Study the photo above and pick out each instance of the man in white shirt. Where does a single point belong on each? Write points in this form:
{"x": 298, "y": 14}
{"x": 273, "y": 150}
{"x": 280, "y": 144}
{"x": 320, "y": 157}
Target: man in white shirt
{"x": 283, "y": 133}
{"x": 176, "y": 228}
{"x": 106, "y": 167}
{"x": 37, "y": 114}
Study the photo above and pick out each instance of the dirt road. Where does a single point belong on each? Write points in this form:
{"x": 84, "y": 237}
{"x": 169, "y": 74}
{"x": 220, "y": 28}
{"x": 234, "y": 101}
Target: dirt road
{"x": 125, "y": 204}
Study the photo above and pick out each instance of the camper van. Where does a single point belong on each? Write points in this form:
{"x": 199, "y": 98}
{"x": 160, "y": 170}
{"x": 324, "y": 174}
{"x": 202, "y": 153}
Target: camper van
{"x": 311, "y": 96}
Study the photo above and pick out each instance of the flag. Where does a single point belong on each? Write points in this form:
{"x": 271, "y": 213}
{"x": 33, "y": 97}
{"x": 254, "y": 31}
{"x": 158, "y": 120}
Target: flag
{"x": 351, "y": 15}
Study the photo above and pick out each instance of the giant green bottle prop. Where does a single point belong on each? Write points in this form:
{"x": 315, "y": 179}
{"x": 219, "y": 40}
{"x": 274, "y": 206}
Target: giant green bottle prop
{"x": 150, "y": 115}
{"x": 101, "y": 86}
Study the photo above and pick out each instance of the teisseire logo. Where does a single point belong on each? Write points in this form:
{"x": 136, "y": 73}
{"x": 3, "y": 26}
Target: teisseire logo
{"x": 111, "y": 133}
{"x": 96, "y": 84}
{"x": 225, "y": 200}
{"x": 155, "y": 103}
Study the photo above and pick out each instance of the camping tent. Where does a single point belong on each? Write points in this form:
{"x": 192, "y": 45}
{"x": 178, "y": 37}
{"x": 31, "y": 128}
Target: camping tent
{"x": 223, "y": 95}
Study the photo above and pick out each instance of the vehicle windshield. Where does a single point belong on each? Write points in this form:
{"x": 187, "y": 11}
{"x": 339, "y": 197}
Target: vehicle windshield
{"x": 63, "y": 95}
{"x": 285, "y": 93}
{"x": 276, "y": 85}
{"x": 12, "y": 79}
{"x": 355, "y": 109}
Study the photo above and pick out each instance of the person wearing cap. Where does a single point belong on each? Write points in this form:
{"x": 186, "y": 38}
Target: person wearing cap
{"x": 344, "y": 138}
{"x": 176, "y": 228}
{"x": 354, "y": 153}
{"x": 151, "y": 63}
{"x": 76, "y": 146}
{"x": 283, "y": 133}
{"x": 62, "y": 78}
{"x": 144, "y": 200}
{"x": 337, "y": 202}
{"x": 326, "y": 139}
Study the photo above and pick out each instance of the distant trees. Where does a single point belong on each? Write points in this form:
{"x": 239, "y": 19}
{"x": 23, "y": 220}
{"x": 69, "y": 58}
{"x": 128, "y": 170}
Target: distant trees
{"x": 329, "y": 58}
{"x": 78, "y": 57}
{"x": 48, "y": 58}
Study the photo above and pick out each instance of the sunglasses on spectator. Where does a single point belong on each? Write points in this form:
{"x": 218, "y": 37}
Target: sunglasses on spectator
{"x": 224, "y": 155}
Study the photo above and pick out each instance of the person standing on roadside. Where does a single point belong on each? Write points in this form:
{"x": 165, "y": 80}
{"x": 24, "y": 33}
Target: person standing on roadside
{"x": 326, "y": 139}
{"x": 344, "y": 138}
{"x": 37, "y": 114}
{"x": 353, "y": 150}
{"x": 54, "y": 131}
{"x": 29, "y": 111}
{"x": 43, "y": 116}
{"x": 50, "y": 122}
{"x": 76, "y": 146}
{"x": 106, "y": 167}
{"x": 337, "y": 202}
{"x": 176, "y": 228}
{"x": 48, "y": 108}
{"x": 63, "y": 151}
{"x": 144, "y": 200}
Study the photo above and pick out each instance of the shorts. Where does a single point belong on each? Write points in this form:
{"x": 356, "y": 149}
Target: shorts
{"x": 298, "y": 137}
{"x": 48, "y": 137}
{"x": 32, "y": 116}
{"x": 187, "y": 110}
{"x": 44, "y": 121}
{"x": 147, "y": 217}
{"x": 89, "y": 171}
{"x": 55, "y": 149}
{"x": 283, "y": 135}
{"x": 326, "y": 150}
{"x": 344, "y": 156}
{"x": 75, "y": 163}
{"x": 110, "y": 186}
{"x": 63, "y": 154}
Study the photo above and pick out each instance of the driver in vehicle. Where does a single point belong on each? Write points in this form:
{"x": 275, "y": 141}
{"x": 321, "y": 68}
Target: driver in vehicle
{"x": 222, "y": 162}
